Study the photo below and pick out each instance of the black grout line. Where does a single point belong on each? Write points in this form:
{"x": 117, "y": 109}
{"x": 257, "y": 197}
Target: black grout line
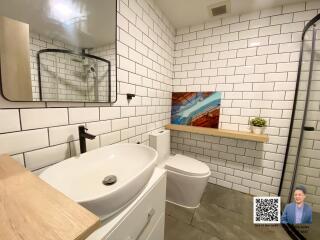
{"x": 24, "y": 160}
{"x": 48, "y": 136}
{"x": 19, "y": 112}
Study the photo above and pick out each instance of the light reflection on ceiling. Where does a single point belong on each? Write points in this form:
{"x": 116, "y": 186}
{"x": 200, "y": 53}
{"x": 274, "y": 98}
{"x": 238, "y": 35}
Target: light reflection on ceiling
{"x": 80, "y": 23}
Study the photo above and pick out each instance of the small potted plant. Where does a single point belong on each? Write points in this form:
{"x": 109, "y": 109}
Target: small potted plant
{"x": 257, "y": 125}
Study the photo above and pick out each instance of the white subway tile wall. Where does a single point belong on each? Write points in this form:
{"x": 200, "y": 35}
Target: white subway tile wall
{"x": 70, "y": 68}
{"x": 10, "y": 121}
{"x": 37, "y": 135}
{"x": 46, "y": 156}
{"x": 49, "y": 117}
{"x": 253, "y": 61}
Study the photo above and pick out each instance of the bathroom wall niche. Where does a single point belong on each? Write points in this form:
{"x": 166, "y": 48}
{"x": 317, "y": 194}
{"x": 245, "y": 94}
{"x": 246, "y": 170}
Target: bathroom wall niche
{"x": 58, "y": 50}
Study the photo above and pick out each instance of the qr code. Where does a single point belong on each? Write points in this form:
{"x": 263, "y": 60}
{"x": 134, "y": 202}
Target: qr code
{"x": 266, "y": 210}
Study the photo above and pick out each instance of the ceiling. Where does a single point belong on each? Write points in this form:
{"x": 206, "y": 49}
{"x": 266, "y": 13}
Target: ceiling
{"x": 182, "y": 13}
{"x": 81, "y": 23}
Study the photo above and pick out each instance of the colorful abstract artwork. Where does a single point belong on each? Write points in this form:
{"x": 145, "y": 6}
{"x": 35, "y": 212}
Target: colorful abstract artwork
{"x": 201, "y": 109}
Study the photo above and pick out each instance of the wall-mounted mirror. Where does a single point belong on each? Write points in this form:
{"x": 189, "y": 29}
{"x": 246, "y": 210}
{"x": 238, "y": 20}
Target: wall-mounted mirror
{"x": 58, "y": 50}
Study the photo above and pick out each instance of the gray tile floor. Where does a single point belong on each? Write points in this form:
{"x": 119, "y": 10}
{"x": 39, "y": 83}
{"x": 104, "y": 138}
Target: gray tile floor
{"x": 313, "y": 231}
{"x": 224, "y": 214}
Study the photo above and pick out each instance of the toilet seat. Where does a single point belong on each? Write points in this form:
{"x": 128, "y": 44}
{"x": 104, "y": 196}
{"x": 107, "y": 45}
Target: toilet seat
{"x": 187, "y": 165}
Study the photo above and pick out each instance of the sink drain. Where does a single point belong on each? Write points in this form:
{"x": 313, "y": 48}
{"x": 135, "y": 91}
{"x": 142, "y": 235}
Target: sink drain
{"x": 109, "y": 180}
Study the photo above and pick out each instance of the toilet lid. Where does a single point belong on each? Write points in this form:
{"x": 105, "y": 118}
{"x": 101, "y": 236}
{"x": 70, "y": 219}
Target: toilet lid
{"x": 187, "y": 165}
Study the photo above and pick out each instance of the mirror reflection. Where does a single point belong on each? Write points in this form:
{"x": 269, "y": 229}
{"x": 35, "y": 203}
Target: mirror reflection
{"x": 64, "y": 50}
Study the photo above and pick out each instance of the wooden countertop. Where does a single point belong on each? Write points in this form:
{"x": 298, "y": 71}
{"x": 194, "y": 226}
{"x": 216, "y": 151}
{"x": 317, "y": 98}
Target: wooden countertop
{"x": 219, "y": 132}
{"x": 30, "y": 209}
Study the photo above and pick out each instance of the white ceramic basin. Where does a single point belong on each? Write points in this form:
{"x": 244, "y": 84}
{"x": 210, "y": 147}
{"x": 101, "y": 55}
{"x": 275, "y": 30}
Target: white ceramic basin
{"x": 80, "y": 178}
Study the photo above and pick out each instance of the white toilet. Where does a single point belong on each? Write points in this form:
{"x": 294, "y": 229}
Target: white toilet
{"x": 187, "y": 177}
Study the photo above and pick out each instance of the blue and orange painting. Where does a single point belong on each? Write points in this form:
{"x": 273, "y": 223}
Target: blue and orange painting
{"x": 201, "y": 109}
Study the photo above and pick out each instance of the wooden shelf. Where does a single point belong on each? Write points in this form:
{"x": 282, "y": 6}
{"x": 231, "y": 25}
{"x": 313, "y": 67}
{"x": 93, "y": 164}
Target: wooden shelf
{"x": 32, "y": 209}
{"x": 219, "y": 132}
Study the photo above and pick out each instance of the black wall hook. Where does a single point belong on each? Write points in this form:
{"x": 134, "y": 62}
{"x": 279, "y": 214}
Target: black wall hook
{"x": 130, "y": 96}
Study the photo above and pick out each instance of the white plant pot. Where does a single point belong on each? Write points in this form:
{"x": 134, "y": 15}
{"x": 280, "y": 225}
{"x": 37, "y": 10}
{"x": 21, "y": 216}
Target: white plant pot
{"x": 257, "y": 130}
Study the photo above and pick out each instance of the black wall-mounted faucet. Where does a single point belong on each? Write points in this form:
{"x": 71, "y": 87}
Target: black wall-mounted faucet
{"x": 82, "y": 137}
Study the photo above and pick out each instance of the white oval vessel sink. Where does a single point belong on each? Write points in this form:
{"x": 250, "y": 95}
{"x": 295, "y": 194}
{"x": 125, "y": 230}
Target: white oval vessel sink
{"x": 81, "y": 178}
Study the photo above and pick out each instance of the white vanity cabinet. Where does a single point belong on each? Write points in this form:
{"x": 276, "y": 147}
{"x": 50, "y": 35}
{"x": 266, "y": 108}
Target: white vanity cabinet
{"x": 143, "y": 219}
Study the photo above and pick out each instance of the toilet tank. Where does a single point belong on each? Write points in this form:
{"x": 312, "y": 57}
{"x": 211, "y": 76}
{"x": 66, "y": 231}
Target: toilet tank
{"x": 160, "y": 141}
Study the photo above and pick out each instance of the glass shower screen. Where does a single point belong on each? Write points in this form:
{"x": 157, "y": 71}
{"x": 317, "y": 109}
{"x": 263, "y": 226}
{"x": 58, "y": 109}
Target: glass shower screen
{"x": 302, "y": 164}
